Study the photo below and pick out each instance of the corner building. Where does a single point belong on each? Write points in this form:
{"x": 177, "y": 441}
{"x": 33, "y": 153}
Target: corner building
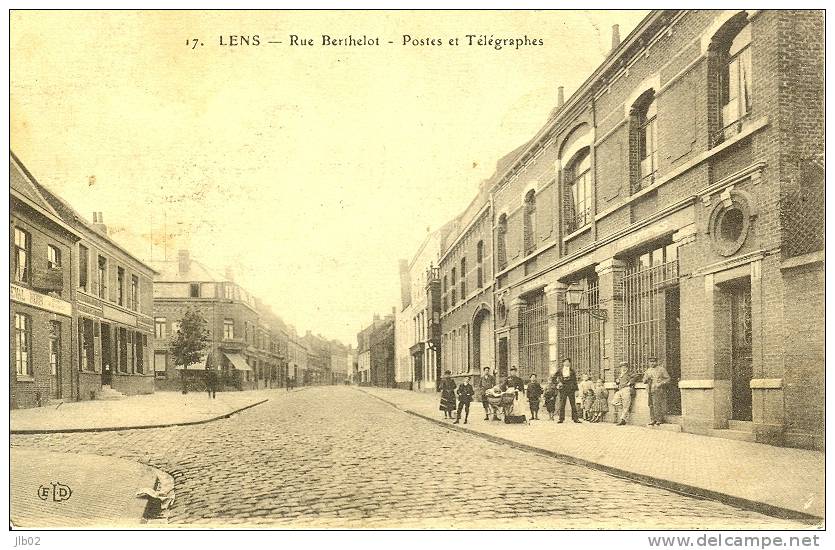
{"x": 673, "y": 207}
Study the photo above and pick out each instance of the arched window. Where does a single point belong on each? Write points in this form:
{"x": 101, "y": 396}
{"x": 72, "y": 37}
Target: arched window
{"x": 501, "y": 242}
{"x": 732, "y": 74}
{"x": 579, "y": 191}
{"x": 479, "y": 257}
{"x": 463, "y": 278}
{"x": 645, "y": 156}
{"x": 530, "y": 222}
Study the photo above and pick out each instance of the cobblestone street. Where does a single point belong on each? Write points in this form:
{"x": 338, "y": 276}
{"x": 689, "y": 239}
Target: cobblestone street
{"x": 336, "y": 457}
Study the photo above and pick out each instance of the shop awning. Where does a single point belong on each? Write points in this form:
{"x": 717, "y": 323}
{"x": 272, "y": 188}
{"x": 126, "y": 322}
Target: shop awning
{"x": 238, "y": 361}
{"x": 200, "y": 365}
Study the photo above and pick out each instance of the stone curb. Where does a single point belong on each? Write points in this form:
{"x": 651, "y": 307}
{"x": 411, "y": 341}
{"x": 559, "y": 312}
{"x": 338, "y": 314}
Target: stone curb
{"x": 682, "y": 488}
{"x": 140, "y": 427}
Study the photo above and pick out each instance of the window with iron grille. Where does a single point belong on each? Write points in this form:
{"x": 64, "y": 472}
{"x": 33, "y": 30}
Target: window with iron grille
{"x": 643, "y": 289}
{"x": 582, "y": 331}
{"x": 533, "y": 338}
{"x": 579, "y": 198}
{"x": 529, "y": 222}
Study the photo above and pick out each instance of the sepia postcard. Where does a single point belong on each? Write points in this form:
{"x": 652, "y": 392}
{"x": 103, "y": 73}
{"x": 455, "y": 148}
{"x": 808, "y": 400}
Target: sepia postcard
{"x": 425, "y": 270}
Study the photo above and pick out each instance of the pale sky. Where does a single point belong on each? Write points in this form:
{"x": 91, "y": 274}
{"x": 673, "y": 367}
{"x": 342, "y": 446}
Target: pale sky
{"x": 310, "y": 170}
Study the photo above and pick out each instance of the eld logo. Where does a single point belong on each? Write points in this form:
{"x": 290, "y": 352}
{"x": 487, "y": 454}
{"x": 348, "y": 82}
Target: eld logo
{"x": 57, "y": 491}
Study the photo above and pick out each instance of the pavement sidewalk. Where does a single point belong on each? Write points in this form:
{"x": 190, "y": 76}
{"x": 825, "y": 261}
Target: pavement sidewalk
{"x": 59, "y": 490}
{"x": 777, "y": 481}
{"x": 140, "y": 411}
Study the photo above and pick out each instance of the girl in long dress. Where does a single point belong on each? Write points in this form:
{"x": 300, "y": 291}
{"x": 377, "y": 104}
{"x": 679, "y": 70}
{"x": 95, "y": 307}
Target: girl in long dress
{"x": 601, "y": 402}
{"x": 447, "y": 395}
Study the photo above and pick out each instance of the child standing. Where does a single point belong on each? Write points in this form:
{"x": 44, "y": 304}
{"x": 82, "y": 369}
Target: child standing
{"x": 601, "y": 401}
{"x": 465, "y": 397}
{"x": 587, "y": 393}
{"x": 534, "y": 392}
{"x": 551, "y": 394}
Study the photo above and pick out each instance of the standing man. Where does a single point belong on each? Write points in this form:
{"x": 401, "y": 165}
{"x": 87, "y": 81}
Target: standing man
{"x": 626, "y": 392}
{"x": 515, "y": 382}
{"x": 567, "y": 384}
{"x": 211, "y": 381}
{"x": 486, "y": 382}
{"x": 656, "y": 378}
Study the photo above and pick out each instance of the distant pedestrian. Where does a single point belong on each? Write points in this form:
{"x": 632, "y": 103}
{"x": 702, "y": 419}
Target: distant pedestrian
{"x": 566, "y": 380}
{"x": 465, "y": 397}
{"x": 211, "y": 381}
{"x": 534, "y": 392}
{"x": 447, "y": 395}
{"x": 656, "y": 378}
{"x": 601, "y": 401}
{"x": 587, "y": 396}
{"x": 551, "y": 394}
{"x": 486, "y": 382}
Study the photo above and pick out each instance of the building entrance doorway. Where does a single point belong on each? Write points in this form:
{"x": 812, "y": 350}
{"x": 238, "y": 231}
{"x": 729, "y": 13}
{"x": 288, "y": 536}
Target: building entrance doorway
{"x": 107, "y": 355}
{"x": 502, "y": 362}
{"x": 741, "y": 355}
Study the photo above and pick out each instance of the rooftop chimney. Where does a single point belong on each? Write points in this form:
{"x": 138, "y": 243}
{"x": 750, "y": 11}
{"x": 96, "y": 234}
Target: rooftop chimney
{"x": 183, "y": 261}
{"x": 615, "y": 36}
{"x": 98, "y": 223}
{"x": 560, "y": 97}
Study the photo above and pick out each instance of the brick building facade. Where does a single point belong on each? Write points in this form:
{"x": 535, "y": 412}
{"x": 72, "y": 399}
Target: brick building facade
{"x": 42, "y": 251}
{"x": 102, "y": 293}
{"x": 672, "y": 207}
{"x": 376, "y": 353}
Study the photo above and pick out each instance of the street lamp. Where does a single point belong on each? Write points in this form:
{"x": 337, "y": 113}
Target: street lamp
{"x": 574, "y": 297}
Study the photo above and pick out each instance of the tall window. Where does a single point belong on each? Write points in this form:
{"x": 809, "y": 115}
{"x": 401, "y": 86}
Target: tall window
{"x": 501, "y": 242}
{"x": 529, "y": 222}
{"x": 228, "y": 328}
{"x": 120, "y": 286}
{"x": 229, "y": 291}
{"x": 160, "y": 326}
{"x": 463, "y": 278}
{"x": 83, "y": 267}
{"x": 647, "y": 142}
{"x": 579, "y": 186}
{"x": 479, "y": 256}
{"x": 23, "y": 344}
{"x": 86, "y": 347}
{"x": 102, "y": 277}
{"x": 452, "y": 288}
{"x": 443, "y": 293}
{"x": 134, "y": 292}
{"x": 735, "y": 79}
{"x": 53, "y": 257}
{"x": 138, "y": 352}
{"x": 22, "y": 256}
{"x": 194, "y": 290}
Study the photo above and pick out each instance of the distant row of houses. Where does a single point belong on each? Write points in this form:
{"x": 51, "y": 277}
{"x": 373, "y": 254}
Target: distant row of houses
{"x": 671, "y": 208}
{"x": 90, "y": 320}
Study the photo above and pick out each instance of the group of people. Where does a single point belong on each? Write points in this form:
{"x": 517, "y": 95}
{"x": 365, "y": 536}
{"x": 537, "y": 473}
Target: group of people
{"x": 561, "y": 388}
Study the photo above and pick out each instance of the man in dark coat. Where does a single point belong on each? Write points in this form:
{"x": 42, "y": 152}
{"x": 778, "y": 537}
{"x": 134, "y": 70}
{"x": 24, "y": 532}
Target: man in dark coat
{"x": 513, "y": 381}
{"x": 486, "y": 382}
{"x": 465, "y": 397}
{"x": 566, "y": 379}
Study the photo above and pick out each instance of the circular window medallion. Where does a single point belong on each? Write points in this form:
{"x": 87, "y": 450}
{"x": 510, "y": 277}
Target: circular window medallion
{"x": 729, "y": 225}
